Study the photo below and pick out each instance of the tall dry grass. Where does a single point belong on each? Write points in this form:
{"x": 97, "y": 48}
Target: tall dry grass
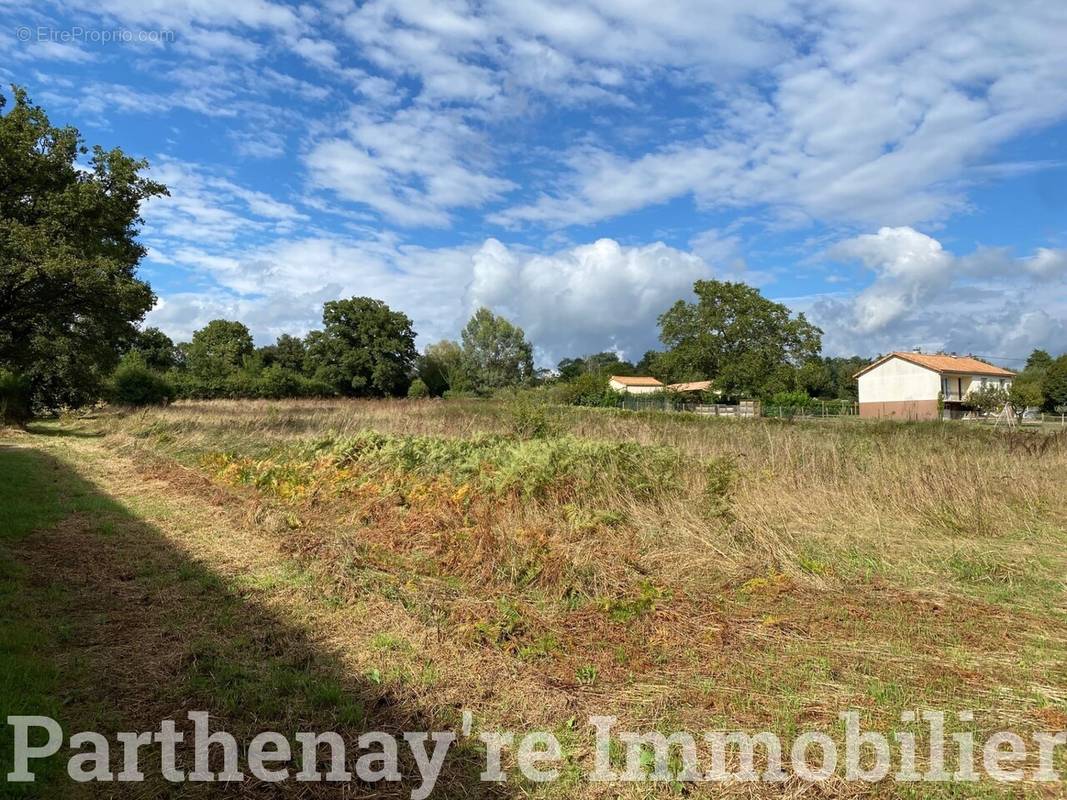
{"x": 667, "y": 568}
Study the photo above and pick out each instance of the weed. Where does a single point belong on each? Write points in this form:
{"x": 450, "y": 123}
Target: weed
{"x": 586, "y": 675}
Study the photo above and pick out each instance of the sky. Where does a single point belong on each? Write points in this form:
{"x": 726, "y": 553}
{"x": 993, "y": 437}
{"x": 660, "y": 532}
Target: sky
{"x": 895, "y": 170}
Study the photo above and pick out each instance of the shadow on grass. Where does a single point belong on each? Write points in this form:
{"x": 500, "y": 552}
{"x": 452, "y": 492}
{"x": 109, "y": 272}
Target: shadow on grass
{"x": 107, "y": 625}
{"x": 44, "y": 429}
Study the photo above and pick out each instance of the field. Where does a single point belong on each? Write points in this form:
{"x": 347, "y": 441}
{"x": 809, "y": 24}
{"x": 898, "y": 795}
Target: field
{"x": 387, "y": 565}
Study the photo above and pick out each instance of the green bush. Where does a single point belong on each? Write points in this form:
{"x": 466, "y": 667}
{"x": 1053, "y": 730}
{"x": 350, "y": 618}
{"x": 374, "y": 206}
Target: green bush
{"x": 418, "y": 389}
{"x": 790, "y": 399}
{"x": 530, "y": 419}
{"x": 135, "y": 384}
{"x": 14, "y": 397}
{"x": 273, "y": 383}
{"x": 588, "y": 389}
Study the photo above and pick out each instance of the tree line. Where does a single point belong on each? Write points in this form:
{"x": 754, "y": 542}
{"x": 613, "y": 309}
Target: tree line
{"x": 751, "y": 346}
{"x": 364, "y": 349}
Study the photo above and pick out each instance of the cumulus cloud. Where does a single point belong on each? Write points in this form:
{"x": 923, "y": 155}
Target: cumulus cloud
{"x": 588, "y": 298}
{"x": 911, "y": 268}
{"x": 599, "y": 296}
{"x": 988, "y": 301}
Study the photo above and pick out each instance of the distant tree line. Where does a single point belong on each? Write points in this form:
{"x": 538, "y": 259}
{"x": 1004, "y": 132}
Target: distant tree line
{"x": 364, "y": 349}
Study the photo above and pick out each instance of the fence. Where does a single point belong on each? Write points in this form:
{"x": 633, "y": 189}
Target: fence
{"x": 815, "y": 409}
{"x": 661, "y": 401}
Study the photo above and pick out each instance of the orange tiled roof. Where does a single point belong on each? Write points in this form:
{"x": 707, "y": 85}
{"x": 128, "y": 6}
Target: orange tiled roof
{"x": 629, "y": 380}
{"x": 965, "y": 365}
{"x": 692, "y": 386}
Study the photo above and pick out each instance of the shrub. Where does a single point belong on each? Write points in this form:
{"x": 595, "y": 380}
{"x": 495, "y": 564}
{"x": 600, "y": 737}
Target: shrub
{"x": 720, "y": 475}
{"x": 14, "y": 397}
{"x": 588, "y": 389}
{"x": 988, "y": 399}
{"x": 418, "y": 389}
{"x": 530, "y": 419}
{"x": 790, "y": 399}
{"x": 273, "y": 383}
{"x": 135, "y": 384}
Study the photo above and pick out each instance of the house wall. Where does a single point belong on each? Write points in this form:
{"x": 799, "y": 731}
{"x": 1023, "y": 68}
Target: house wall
{"x": 901, "y": 409}
{"x": 898, "y": 381}
{"x": 622, "y": 387}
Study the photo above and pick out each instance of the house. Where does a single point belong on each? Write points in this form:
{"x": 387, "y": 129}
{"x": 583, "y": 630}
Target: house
{"x": 913, "y": 385}
{"x": 635, "y": 385}
{"x": 691, "y": 386}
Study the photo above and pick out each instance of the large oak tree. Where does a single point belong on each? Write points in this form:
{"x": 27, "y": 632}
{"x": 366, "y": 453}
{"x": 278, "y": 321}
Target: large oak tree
{"x": 69, "y": 294}
{"x": 364, "y": 349}
{"x": 747, "y": 344}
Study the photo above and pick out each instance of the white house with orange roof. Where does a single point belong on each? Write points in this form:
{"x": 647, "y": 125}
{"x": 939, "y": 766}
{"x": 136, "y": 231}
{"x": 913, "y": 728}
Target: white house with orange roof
{"x": 915, "y": 385}
{"x": 627, "y": 384}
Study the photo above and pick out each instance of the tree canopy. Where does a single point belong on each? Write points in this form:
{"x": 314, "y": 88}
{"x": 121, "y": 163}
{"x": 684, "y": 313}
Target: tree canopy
{"x": 1055, "y": 384}
{"x": 737, "y": 337}
{"x": 156, "y": 349}
{"x": 364, "y": 349}
{"x": 440, "y": 367}
{"x": 69, "y": 295}
{"x": 219, "y": 349}
{"x": 495, "y": 352}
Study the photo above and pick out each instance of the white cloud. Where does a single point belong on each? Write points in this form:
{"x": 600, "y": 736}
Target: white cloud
{"x": 877, "y": 121}
{"x": 414, "y": 167}
{"x": 203, "y": 207}
{"x": 988, "y": 301}
{"x": 599, "y": 296}
{"x": 911, "y": 267}
{"x": 584, "y": 299}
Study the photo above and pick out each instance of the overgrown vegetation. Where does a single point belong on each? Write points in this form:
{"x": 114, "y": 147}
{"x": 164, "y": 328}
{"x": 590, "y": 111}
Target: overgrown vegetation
{"x": 536, "y": 563}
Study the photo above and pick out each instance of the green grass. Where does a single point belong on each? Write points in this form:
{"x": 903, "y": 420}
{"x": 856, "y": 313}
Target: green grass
{"x": 33, "y": 495}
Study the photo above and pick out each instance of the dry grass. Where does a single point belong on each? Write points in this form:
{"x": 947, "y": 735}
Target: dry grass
{"x": 741, "y": 574}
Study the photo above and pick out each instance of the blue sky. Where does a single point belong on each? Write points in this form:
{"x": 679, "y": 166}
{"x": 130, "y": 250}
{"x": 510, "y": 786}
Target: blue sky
{"x": 898, "y": 171}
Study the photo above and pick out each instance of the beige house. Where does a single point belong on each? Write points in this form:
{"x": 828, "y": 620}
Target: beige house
{"x": 913, "y": 385}
{"x": 635, "y": 385}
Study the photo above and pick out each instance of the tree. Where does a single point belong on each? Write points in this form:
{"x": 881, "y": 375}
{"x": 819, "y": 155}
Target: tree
{"x": 418, "y": 389}
{"x": 1027, "y": 391}
{"x": 441, "y": 368}
{"x": 156, "y": 348}
{"x": 495, "y": 352}
{"x": 135, "y": 383}
{"x": 218, "y": 350}
{"x": 607, "y": 362}
{"x": 570, "y": 368}
{"x": 287, "y": 353}
{"x": 290, "y": 352}
{"x": 1056, "y": 384}
{"x": 988, "y": 399}
{"x": 651, "y": 363}
{"x": 842, "y": 369}
{"x": 364, "y": 349}
{"x": 1038, "y": 360}
{"x": 69, "y": 295}
{"x": 735, "y": 336}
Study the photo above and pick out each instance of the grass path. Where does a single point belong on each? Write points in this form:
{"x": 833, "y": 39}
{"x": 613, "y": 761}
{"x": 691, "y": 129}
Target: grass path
{"x": 113, "y": 620}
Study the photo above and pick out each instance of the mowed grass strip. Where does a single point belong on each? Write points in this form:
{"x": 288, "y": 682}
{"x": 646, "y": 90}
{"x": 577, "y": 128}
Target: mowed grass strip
{"x": 33, "y": 496}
